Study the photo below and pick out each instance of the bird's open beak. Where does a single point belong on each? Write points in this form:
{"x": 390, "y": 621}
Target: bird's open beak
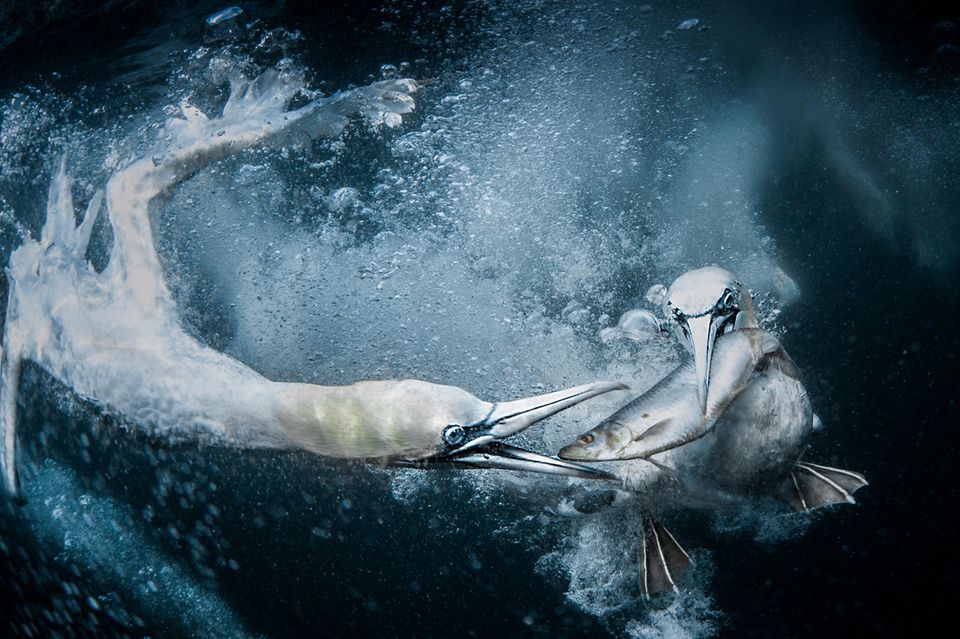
{"x": 503, "y": 456}
{"x": 509, "y": 418}
{"x": 703, "y": 335}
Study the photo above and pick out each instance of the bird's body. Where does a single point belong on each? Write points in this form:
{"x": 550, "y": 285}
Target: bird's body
{"x": 756, "y": 425}
{"x": 115, "y": 336}
{"x": 760, "y": 436}
{"x": 141, "y": 365}
{"x": 728, "y": 426}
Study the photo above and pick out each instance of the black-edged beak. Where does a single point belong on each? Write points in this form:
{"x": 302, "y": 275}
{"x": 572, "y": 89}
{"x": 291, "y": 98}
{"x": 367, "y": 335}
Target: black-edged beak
{"x": 510, "y": 418}
{"x": 503, "y": 456}
{"x": 703, "y": 334}
{"x": 483, "y": 449}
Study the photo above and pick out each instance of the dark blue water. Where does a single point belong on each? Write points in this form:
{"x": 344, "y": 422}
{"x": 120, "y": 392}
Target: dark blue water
{"x": 857, "y": 192}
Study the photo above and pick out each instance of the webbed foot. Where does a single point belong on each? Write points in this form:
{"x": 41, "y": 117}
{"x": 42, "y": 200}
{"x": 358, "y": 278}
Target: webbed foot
{"x": 662, "y": 559}
{"x": 810, "y": 486}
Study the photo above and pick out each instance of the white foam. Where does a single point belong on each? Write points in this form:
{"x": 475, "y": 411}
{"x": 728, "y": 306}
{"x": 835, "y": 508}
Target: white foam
{"x": 498, "y": 213}
{"x": 599, "y": 560}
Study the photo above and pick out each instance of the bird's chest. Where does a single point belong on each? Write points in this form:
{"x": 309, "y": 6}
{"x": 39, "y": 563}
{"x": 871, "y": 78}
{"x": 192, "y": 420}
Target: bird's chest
{"x": 759, "y": 436}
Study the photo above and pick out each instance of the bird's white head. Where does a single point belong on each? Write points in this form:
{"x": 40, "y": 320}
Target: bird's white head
{"x": 704, "y": 304}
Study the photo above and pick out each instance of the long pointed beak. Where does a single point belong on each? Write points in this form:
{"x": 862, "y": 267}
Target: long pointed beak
{"x": 506, "y": 457}
{"x": 703, "y": 333}
{"x": 510, "y": 418}
{"x": 499, "y": 455}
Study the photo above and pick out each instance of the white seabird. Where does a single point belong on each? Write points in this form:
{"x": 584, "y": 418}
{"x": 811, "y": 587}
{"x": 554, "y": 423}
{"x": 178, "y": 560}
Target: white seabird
{"x": 732, "y": 423}
{"x": 116, "y": 339}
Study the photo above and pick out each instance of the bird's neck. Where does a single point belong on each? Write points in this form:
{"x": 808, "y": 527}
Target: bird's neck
{"x": 366, "y": 419}
{"x": 747, "y": 317}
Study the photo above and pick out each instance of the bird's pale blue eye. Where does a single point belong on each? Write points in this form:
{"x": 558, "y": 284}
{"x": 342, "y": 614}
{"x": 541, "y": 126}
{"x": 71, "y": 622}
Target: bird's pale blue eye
{"x": 727, "y": 301}
{"x": 454, "y": 434}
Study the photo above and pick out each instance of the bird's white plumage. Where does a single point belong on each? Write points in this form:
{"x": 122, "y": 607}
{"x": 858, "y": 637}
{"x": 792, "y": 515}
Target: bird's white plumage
{"x": 116, "y": 339}
{"x": 753, "y": 423}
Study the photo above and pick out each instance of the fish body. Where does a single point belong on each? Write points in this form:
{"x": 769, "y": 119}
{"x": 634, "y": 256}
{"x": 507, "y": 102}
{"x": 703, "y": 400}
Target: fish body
{"x": 720, "y": 430}
{"x": 757, "y": 420}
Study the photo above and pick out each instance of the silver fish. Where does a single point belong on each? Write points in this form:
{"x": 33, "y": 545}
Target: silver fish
{"x": 732, "y": 423}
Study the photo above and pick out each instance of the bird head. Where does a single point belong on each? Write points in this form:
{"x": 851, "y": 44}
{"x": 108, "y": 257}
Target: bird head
{"x": 704, "y": 304}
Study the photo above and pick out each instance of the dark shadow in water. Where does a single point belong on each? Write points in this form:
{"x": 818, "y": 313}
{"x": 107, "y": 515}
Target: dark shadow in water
{"x": 294, "y": 544}
{"x": 877, "y": 338}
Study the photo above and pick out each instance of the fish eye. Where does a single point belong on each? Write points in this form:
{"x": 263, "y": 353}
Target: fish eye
{"x": 586, "y": 439}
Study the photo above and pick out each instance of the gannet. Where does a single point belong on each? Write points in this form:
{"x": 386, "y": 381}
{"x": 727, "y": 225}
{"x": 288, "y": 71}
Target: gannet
{"x": 733, "y": 423}
{"x": 116, "y": 339}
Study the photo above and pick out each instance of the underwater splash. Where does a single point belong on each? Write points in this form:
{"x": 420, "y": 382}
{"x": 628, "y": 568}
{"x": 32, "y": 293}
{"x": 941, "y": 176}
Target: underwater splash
{"x": 433, "y": 256}
{"x": 486, "y": 243}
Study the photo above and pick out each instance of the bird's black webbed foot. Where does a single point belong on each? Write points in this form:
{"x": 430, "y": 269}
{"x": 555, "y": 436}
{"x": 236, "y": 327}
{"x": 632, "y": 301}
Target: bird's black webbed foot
{"x": 810, "y": 486}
